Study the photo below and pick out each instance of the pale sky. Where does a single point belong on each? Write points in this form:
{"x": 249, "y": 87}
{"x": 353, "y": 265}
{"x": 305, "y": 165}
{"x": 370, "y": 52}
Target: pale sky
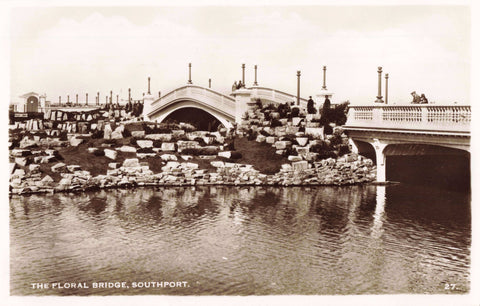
{"x": 70, "y": 50}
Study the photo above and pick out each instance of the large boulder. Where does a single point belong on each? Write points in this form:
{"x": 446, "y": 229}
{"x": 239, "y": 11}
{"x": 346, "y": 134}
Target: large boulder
{"x": 161, "y": 137}
{"x": 138, "y": 134}
{"x": 128, "y": 149}
{"x": 75, "y": 142}
{"x": 300, "y": 165}
{"x": 168, "y": 146}
{"x": 59, "y": 167}
{"x": 168, "y": 157}
{"x": 131, "y": 162}
{"x": 145, "y": 143}
{"x": 112, "y": 154}
{"x": 116, "y": 135}
{"x": 107, "y": 131}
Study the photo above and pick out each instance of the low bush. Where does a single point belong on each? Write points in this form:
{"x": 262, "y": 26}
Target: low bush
{"x": 200, "y": 151}
{"x": 157, "y": 144}
{"x": 145, "y": 150}
{"x": 275, "y": 123}
{"x": 99, "y": 153}
{"x": 235, "y": 155}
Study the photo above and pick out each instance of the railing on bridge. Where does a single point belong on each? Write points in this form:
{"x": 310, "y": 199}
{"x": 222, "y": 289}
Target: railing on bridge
{"x": 276, "y": 95}
{"x": 207, "y": 96}
{"x": 453, "y": 118}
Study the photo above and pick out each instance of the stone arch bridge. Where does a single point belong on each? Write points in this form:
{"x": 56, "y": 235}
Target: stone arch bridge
{"x": 227, "y": 109}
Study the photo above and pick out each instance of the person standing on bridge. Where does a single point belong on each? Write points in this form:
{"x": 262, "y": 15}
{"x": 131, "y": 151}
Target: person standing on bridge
{"x": 234, "y": 86}
{"x": 311, "y": 106}
{"x": 423, "y": 99}
{"x": 416, "y": 98}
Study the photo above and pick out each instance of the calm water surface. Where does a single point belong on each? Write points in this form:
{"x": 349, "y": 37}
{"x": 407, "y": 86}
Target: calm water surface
{"x": 244, "y": 241}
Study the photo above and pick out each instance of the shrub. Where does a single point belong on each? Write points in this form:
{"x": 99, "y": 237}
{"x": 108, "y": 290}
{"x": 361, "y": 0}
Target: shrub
{"x": 275, "y": 123}
{"x": 264, "y": 133}
{"x": 200, "y": 141}
{"x": 289, "y": 151}
{"x": 236, "y": 155}
{"x": 133, "y": 141}
{"x": 99, "y": 153}
{"x": 63, "y": 136}
{"x": 110, "y": 141}
{"x": 327, "y": 130}
{"x": 200, "y": 151}
{"x": 252, "y": 135}
{"x": 230, "y": 146}
{"x": 343, "y": 149}
{"x": 157, "y": 144}
{"x": 259, "y": 104}
{"x": 295, "y": 112}
{"x": 126, "y": 133}
{"x": 145, "y": 150}
{"x": 97, "y": 134}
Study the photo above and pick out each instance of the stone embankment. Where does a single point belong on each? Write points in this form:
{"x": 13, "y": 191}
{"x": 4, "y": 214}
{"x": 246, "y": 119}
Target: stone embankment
{"x": 148, "y": 154}
{"x": 350, "y": 169}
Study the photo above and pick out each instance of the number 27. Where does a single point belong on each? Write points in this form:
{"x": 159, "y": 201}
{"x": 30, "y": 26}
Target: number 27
{"x": 450, "y": 286}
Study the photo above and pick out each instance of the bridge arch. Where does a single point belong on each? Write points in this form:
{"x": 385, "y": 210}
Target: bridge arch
{"x": 162, "y": 113}
{"x": 218, "y": 105}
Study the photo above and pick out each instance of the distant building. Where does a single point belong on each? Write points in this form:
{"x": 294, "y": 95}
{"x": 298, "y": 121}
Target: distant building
{"x": 32, "y": 103}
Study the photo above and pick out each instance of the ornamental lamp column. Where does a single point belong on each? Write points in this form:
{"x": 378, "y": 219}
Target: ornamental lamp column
{"x": 379, "y": 96}
{"x": 243, "y": 74}
{"x": 86, "y": 98}
{"x": 255, "y": 83}
{"x": 324, "y": 87}
{"x": 76, "y": 99}
{"x": 298, "y": 87}
{"x": 148, "y": 85}
{"x": 209, "y": 83}
{"x": 190, "y": 73}
{"x": 129, "y": 95}
{"x": 386, "y": 88}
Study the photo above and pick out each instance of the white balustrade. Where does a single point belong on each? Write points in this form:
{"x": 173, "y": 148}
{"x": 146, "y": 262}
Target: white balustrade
{"x": 454, "y": 118}
{"x": 207, "y": 96}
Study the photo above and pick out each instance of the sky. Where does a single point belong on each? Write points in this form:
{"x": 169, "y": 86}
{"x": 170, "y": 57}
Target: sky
{"x": 64, "y": 51}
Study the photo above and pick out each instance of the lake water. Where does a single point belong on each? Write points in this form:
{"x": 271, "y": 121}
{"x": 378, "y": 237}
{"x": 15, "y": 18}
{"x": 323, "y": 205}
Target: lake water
{"x": 242, "y": 241}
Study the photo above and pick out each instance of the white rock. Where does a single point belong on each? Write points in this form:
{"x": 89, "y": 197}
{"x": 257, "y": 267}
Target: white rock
{"x": 145, "y": 143}
{"x": 116, "y": 135}
{"x": 294, "y": 158}
{"x": 186, "y": 157}
{"x": 161, "y": 137}
{"x": 168, "y": 146}
{"x": 74, "y": 142}
{"x": 112, "y": 154}
{"x": 60, "y": 167}
{"x": 296, "y": 121}
{"x": 73, "y": 168}
{"x": 217, "y": 164}
{"x": 270, "y": 139}
{"x": 302, "y": 141}
{"x": 167, "y": 157}
{"x": 225, "y": 154}
{"x": 300, "y": 165}
{"x": 138, "y": 134}
{"x": 129, "y": 149}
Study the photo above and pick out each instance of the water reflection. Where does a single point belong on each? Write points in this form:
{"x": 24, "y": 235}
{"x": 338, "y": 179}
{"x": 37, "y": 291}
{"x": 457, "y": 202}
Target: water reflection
{"x": 245, "y": 240}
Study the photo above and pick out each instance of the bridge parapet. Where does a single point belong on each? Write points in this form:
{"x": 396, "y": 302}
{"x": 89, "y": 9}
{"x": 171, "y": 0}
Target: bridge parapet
{"x": 274, "y": 95}
{"x": 452, "y": 118}
{"x": 207, "y": 96}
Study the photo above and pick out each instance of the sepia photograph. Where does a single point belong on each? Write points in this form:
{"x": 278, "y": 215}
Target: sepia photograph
{"x": 231, "y": 153}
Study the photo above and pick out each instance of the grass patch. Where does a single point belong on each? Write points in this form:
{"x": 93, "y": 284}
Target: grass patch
{"x": 261, "y": 155}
